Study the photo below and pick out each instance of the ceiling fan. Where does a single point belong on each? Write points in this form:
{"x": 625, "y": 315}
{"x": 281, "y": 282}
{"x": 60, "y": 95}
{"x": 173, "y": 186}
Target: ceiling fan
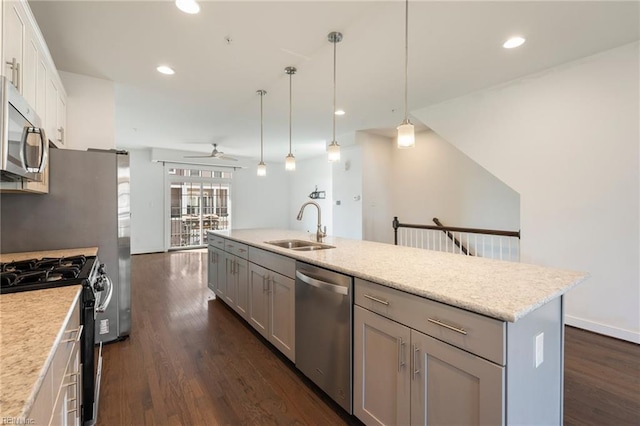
{"x": 214, "y": 154}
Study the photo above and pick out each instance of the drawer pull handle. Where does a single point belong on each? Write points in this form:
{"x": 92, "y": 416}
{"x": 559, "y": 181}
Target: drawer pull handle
{"x": 447, "y": 326}
{"x": 375, "y": 299}
{"x": 242, "y": 250}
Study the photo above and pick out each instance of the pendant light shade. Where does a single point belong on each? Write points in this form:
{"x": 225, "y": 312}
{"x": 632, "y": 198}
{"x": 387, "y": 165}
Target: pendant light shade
{"x": 262, "y": 168}
{"x": 333, "y": 150}
{"x": 290, "y": 160}
{"x": 406, "y": 134}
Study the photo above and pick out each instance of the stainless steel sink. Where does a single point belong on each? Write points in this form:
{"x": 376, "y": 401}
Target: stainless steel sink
{"x": 299, "y": 245}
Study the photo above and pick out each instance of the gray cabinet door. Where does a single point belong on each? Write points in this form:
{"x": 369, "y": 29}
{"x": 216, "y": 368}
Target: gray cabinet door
{"x": 216, "y": 256}
{"x": 452, "y": 387}
{"x": 242, "y": 287}
{"x": 232, "y": 280}
{"x": 258, "y": 312}
{"x": 381, "y": 370}
{"x": 211, "y": 272}
{"x": 282, "y": 313}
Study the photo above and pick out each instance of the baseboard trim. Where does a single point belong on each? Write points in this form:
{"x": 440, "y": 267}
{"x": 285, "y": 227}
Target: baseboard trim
{"x": 607, "y": 330}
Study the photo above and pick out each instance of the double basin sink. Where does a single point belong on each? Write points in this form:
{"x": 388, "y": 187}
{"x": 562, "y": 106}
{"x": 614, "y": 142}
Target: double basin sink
{"x": 300, "y": 245}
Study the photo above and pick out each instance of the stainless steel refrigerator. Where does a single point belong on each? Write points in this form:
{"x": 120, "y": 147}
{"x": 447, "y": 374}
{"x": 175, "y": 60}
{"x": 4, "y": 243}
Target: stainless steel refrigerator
{"x": 87, "y": 206}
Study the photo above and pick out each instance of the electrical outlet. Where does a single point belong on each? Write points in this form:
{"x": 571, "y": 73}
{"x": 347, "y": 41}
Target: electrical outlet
{"x": 539, "y": 349}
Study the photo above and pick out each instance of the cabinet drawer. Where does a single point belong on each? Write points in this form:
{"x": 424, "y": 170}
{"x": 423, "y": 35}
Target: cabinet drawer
{"x": 281, "y": 264}
{"x": 238, "y": 249}
{"x": 216, "y": 241}
{"x": 472, "y": 332}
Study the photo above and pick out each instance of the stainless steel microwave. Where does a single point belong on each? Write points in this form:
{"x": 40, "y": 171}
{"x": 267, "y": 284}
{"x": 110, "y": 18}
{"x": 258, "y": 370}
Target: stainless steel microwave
{"x": 23, "y": 145}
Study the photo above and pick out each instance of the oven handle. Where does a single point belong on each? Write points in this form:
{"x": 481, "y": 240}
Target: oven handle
{"x": 103, "y": 306}
{"x": 322, "y": 284}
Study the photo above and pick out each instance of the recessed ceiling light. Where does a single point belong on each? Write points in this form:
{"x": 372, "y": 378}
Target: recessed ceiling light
{"x": 165, "y": 70}
{"x": 188, "y": 6}
{"x": 513, "y": 42}
{"x": 339, "y": 112}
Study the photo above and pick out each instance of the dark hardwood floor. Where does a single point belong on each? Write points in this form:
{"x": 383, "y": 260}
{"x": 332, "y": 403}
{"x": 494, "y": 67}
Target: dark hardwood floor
{"x": 193, "y": 361}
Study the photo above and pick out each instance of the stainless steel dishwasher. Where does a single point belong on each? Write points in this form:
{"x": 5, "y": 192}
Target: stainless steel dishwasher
{"x": 324, "y": 329}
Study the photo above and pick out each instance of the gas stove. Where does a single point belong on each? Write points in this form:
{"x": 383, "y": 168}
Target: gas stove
{"x": 48, "y": 272}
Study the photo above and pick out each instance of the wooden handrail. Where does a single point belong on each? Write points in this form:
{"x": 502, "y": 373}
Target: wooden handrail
{"x": 396, "y": 224}
{"x": 450, "y": 230}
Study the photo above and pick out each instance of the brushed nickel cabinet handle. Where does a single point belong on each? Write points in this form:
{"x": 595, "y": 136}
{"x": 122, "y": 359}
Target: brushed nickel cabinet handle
{"x": 415, "y": 369}
{"x": 401, "y": 362}
{"x": 375, "y": 299}
{"x": 447, "y": 326}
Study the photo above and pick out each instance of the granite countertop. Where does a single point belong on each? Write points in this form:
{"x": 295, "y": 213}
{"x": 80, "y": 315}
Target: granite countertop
{"x": 503, "y": 290}
{"x": 31, "y": 326}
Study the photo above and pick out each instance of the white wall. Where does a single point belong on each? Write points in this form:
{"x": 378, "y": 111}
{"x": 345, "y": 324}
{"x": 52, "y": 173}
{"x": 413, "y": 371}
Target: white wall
{"x": 147, "y": 203}
{"x": 256, "y": 202}
{"x": 90, "y": 112}
{"x": 309, "y": 174}
{"x": 435, "y": 179}
{"x": 260, "y": 202}
{"x": 377, "y": 187}
{"x": 347, "y": 191}
{"x": 568, "y": 141}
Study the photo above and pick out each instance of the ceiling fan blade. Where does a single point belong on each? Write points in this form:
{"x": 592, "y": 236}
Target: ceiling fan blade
{"x": 226, "y": 157}
{"x": 198, "y": 156}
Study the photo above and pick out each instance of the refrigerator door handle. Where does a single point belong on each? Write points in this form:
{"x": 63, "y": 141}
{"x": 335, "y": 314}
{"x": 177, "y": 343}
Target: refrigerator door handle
{"x": 103, "y": 306}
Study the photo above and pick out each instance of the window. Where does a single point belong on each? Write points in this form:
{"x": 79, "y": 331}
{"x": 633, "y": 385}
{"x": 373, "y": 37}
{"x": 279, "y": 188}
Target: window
{"x": 199, "y": 200}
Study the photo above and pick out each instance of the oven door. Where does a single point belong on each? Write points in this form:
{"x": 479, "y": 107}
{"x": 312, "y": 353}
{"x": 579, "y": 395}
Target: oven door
{"x": 24, "y": 146}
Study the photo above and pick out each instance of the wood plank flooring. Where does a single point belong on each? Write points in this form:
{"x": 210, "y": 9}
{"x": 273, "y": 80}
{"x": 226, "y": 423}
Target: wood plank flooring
{"x": 193, "y": 361}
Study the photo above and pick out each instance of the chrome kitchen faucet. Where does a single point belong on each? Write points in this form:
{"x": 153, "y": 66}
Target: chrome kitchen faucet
{"x": 320, "y": 234}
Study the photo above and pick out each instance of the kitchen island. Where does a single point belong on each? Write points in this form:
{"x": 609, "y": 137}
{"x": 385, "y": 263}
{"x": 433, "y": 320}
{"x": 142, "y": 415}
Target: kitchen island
{"x": 437, "y": 337}
{"x": 38, "y": 340}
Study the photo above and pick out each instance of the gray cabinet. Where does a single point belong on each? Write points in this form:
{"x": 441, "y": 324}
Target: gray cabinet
{"x": 215, "y": 259}
{"x": 402, "y": 376}
{"x": 462, "y": 367}
{"x": 236, "y": 273}
{"x": 271, "y": 307}
{"x": 381, "y": 371}
{"x": 258, "y": 312}
{"x": 452, "y": 387}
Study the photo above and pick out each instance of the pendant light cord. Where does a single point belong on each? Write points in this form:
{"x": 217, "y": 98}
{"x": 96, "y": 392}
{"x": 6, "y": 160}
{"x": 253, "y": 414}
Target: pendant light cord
{"x": 334, "y": 90}
{"x": 406, "y": 57}
{"x": 261, "y": 133}
{"x": 290, "y": 108}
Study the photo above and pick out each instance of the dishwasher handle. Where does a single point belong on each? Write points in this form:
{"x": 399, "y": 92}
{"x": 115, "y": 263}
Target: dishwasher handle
{"x": 323, "y": 285}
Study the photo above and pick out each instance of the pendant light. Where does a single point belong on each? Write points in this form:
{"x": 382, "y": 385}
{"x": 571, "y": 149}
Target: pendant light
{"x": 333, "y": 150}
{"x": 406, "y": 134}
{"x": 290, "y": 160}
{"x": 262, "y": 168}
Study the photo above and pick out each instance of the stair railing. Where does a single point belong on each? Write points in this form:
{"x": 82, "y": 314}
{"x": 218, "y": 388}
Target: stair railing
{"x": 491, "y": 243}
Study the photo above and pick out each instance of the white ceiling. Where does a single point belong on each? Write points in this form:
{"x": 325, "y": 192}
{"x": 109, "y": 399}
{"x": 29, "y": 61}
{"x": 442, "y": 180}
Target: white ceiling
{"x": 454, "y": 49}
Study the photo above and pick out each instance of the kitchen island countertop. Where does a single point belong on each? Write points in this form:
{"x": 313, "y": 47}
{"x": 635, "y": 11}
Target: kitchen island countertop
{"x": 503, "y": 290}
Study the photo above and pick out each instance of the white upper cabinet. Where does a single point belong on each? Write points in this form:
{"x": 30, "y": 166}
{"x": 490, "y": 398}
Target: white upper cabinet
{"x": 27, "y": 63}
{"x": 13, "y": 41}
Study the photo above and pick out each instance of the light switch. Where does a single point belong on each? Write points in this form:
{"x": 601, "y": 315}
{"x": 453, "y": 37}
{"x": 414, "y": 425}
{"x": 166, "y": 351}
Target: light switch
{"x": 539, "y": 349}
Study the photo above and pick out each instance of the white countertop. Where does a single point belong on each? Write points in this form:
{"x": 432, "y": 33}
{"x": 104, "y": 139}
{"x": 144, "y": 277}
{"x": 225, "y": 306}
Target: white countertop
{"x": 498, "y": 289}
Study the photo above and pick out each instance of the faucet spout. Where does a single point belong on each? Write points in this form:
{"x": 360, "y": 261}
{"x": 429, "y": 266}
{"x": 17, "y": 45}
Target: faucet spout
{"x": 320, "y": 234}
